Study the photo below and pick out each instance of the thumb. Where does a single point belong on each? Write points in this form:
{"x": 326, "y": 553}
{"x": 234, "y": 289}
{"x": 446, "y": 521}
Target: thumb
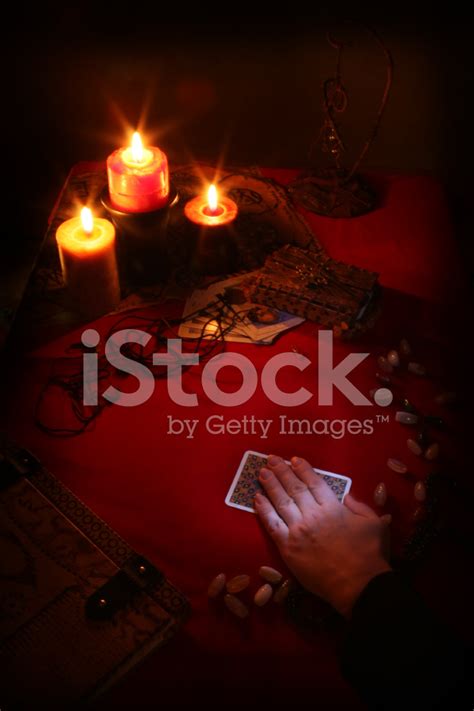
{"x": 358, "y": 507}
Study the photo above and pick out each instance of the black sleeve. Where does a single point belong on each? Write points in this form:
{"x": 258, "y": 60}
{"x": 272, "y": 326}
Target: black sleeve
{"x": 397, "y": 655}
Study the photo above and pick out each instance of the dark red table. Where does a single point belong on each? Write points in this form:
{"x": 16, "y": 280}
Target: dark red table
{"x": 165, "y": 494}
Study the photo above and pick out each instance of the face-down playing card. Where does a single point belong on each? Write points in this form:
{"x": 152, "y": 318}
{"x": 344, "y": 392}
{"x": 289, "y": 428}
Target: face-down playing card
{"x": 245, "y": 484}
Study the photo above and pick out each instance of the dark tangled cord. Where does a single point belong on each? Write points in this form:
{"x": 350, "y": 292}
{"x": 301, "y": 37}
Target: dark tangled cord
{"x": 71, "y": 383}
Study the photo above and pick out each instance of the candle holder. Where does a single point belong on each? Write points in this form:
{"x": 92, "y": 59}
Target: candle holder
{"x": 215, "y": 250}
{"x": 141, "y": 240}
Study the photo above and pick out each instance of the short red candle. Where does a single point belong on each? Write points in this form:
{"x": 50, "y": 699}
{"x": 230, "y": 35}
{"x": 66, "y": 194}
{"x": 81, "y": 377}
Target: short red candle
{"x": 212, "y": 217}
{"x": 138, "y": 178}
{"x": 211, "y": 210}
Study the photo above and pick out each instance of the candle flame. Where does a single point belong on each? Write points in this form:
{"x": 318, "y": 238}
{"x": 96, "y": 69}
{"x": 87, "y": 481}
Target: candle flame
{"x": 87, "y": 221}
{"x": 211, "y": 328}
{"x": 212, "y": 198}
{"x": 137, "y": 148}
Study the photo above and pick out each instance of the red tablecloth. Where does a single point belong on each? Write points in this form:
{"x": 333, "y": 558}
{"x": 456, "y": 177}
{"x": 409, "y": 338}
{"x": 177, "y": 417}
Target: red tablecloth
{"x": 165, "y": 494}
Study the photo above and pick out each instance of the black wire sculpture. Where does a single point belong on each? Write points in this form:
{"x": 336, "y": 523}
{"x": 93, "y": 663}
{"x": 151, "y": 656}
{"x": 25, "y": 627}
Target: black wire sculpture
{"x": 339, "y": 191}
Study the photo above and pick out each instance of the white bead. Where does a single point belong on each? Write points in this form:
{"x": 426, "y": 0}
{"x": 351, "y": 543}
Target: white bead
{"x": 432, "y": 452}
{"x": 384, "y": 364}
{"x": 263, "y": 595}
{"x": 239, "y": 583}
{"x": 393, "y": 358}
{"x": 420, "y": 491}
{"x": 380, "y": 494}
{"x": 406, "y": 418}
{"x": 414, "y": 447}
{"x": 405, "y": 348}
{"x": 216, "y": 586}
{"x": 417, "y": 368}
{"x": 397, "y": 466}
{"x": 282, "y": 592}
{"x": 419, "y": 514}
{"x": 236, "y": 606}
{"x": 270, "y": 574}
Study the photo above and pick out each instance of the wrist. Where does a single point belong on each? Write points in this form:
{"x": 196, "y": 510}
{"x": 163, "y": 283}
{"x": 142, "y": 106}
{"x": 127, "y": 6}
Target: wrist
{"x": 351, "y": 588}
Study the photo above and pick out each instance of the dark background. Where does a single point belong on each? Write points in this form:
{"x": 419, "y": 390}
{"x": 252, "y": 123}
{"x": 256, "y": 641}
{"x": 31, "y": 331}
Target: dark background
{"x": 226, "y": 84}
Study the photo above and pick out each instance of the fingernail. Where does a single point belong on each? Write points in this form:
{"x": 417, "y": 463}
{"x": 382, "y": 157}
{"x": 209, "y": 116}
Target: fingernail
{"x": 295, "y": 461}
{"x": 257, "y": 499}
{"x": 273, "y": 460}
{"x": 265, "y": 474}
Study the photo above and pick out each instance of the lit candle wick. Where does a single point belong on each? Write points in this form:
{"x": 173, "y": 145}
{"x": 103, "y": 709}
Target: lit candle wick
{"x": 137, "y": 148}
{"x": 212, "y": 198}
{"x": 213, "y": 208}
{"x": 87, "y": 221}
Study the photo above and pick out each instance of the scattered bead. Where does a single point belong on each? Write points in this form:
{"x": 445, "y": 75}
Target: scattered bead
{"x": 434, "y": 421}
{"x": 414, "y": 447}
{"x": 419, "y": 514}
{"x": 423, "y": 439}
{"x": 393, "y": 358}
{"x": 405, "y": 348}
{"x": 447, "y": 398}
{"x": 397, "y": 466}
{"x": 380, "y": 494}
{"x": 384, "y": 379}
{"x": 384, "y": 364}
{"x": 420, "y": 491}
{"x": 216, "y": 586}
{"x": 407, "y": 405}
{"x": 432, "y": 452}
{"x": 406, "y": 418}
{"x": 416, "y": 368}
{"x": 237, "y": 584}
{"x": 282, "y": 592}
{"x": 236, "y": 606}
{"x": 263, "y": 595}
{"x": 270, "y": 574}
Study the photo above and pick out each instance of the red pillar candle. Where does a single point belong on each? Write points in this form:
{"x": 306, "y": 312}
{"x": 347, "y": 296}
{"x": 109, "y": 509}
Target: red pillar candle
{"x": 87, "y": 252}
{"x": 138, "y": 177}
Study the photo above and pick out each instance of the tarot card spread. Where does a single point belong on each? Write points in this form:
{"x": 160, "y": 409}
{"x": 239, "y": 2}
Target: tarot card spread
{"x": 225, "y": 310}
{"x": 245, "y": 484}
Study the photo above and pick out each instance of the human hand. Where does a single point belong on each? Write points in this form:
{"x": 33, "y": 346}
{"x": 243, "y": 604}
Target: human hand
{"x": 333, "y": 549}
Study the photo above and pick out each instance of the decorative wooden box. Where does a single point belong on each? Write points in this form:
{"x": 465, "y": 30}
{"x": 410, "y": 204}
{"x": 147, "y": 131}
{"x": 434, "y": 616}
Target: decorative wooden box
{"x": 310, "y": 284}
